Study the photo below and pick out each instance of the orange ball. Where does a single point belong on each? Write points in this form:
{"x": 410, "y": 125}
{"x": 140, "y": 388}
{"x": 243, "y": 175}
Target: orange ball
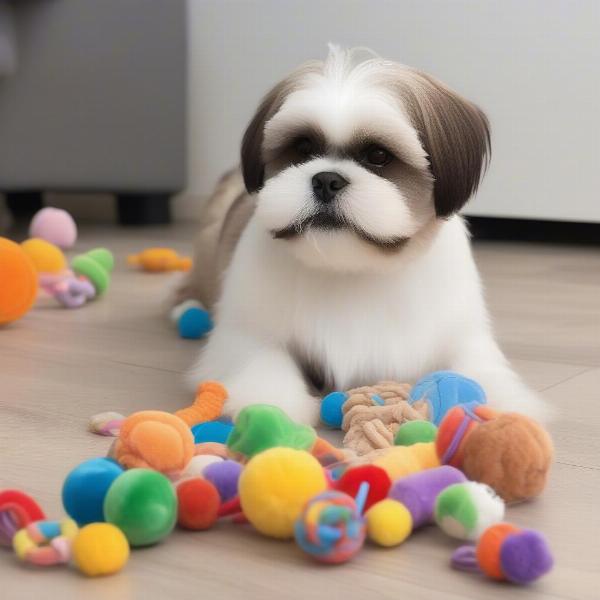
{"x": 19, "y": 283}
{"x": 199, "y": 502}
{"x": 488, "y": 549}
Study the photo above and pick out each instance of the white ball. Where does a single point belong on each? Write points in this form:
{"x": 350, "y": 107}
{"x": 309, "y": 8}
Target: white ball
{"x": 197, "y": 465}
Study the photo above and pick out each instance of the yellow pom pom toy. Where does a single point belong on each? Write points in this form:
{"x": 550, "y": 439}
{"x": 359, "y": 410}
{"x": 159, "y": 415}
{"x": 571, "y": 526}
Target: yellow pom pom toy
{"x": 100, "y": 549}
{"x": 46, "y": 257}
{"x": 399, "y": 461}
{"x": 274, "y": 487}
{"x": 389, "y": 523}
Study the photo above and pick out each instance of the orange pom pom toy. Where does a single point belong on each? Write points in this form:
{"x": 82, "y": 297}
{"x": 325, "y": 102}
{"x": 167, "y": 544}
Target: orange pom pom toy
{"x": 19, "y": 286}
{"x": 207, "y": 406}
{"x": 155, "y": 440}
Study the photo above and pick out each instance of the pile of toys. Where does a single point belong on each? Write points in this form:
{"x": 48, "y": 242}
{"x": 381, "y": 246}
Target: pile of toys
{"x": 455, "y": 465}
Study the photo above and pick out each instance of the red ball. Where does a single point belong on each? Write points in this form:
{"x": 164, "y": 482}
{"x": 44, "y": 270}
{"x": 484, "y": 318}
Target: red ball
{"x": 199, "y": 503}
{"x": 377, "y": 478}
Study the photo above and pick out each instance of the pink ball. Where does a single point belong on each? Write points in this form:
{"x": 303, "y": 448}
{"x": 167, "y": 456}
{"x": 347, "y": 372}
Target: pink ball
{"x": 54, "y": 225}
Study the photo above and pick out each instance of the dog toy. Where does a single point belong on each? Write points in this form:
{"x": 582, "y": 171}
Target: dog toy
{"x": 106, "y": 423}
{"x": 46, "y": 257}
{"x": 262, "y": 426}
{"x": 378, "y": 480}
{"x": 326, "y": 453}
{"x": 143, "y": 505}
{"x": 441, "y": 391}
{"x": 156, "y": 440}
{"x": 158, "y": 260}
{"x": 85, "y": 488}
{"x": 419, "y": 491}
{"x": 399, "y": 461}
{"x": 505, "y": 552}
{"x": 414, "y": 432}
{"x": 224, "y": 475}
{"x": 454, "y": 430}
{"x": 207, "y": 406}
{"x": 68, "y": 290}
{"x": 96, "y": 265}
{"x": 466, "y": 510}
{"x": 19, "y": 286}
{"x": 196, "y": 466}
{"x": 331, "y": 527}
{"x": 17, "y": 510}
{"x": 54, "y": 225}
{"x": 274, "y": 487}
{"x": 100, "y": 549}
{"x": 389, "y": 523}
{"x": 212, "y": 431}
{"x": 45, "y": 543}
{"x": 198, "y": 504}
{"x": 512, "y": 454}
{"x": 193, "y": 321}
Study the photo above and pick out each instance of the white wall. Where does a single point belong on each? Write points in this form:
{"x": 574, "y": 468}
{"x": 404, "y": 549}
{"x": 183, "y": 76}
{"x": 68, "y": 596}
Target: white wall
{"x": 533, "y": 65}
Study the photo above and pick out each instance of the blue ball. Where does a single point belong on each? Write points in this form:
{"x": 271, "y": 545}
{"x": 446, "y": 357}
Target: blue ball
{"x": 85, "y": 487}
{"x": 194, "y": 323}
{"x": 212, "y": 431}
{"x": 331, "y": 409}
{"x": 444, "y": 390}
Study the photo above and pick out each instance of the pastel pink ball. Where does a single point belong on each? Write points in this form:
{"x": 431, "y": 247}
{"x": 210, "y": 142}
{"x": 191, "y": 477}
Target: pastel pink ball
{"x": 54, "y": 225}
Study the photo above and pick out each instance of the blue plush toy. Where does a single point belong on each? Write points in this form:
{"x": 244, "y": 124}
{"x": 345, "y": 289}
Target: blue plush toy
{"x": 212, "y": 431}
{"x": 444, "y": 390}
{"x": 192, "y": 320}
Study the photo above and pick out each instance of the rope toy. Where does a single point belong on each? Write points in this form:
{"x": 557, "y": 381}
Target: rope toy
{"x": 208, "y": 405}
{"x": 505, "y": 552}
{"x": 331, "y": 527}
{"x": 45, "y": 543}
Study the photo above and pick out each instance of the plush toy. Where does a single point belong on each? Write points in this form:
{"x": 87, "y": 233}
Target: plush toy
{"x": 54, "y": 225}
{"x": 505, "y": 552}
{"x": 440, "y": 391}
{"x": 143, "y": 505}
{"x": 106, "y": 423}
{"x": 419, "y": 491}
{"x": 224, "y": 475}
{"x": 331, "y": 527}
{"x": 399, "y": 461}
{"x": 45, "y": 543}
{"x": 207, "y": 406}
{"x": 85, "y": 488}
{"x": 198, "y": 504}
{"x": 100, "y": 549}
{"x": 466, "y": 510}
{"x": 157, "y": 260}
{"x": 96, "y": 265}
{"x": 193, "y": 321}
{"x": 154, "y": 439}
{"x": 17, "y": 510}
{"x": 262, "y": 426}
{"x": 68, "y": 290}
{"x": 46, "y": 257}
{"x": 354, "y": 477}
{"x": 389, "y": 523}
{"x": 212, "y": 431}
{"x": 19, "y": 286}
{"x": 512, "y": 454}
{"x": 415, "y": 432}
{"x": 275, "y": 486}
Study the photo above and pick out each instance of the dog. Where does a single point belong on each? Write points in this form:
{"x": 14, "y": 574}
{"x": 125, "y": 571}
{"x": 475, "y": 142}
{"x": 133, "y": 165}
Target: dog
{"x": 335, "y": 257}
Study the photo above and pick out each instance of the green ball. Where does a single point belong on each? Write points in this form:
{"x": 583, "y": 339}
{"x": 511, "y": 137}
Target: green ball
{"x": 143, "y": 505}
{"x": 414, "y": 432}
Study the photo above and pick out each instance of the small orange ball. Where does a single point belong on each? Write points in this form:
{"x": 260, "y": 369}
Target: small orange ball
{"x": 488, "y": 548}
{"x": 18, "y": 282}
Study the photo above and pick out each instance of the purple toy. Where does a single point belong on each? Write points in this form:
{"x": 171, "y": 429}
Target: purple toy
{"x": 224, "y": 476}
{"x": 67, "y": 289}
{"x": 419, "y": 491}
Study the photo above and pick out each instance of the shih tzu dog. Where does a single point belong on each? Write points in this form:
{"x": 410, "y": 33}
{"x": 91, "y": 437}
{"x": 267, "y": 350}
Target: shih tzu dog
{"x": 335, "y": 256}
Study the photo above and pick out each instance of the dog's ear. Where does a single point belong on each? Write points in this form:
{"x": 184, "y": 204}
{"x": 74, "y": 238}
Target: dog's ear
{"x": 455, "y": 134}
{"x": 253, "y": 165}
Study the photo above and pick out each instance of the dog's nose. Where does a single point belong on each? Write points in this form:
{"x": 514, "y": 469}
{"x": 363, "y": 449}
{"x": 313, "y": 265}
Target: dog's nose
{"x": 327, "y": 184}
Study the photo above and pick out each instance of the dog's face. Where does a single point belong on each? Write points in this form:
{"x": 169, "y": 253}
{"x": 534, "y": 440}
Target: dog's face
{"x": 354, "y": 164}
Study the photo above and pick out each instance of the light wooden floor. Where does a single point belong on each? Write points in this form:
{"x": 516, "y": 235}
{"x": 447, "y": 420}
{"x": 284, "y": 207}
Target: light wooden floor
{"x": 58, "y": 367}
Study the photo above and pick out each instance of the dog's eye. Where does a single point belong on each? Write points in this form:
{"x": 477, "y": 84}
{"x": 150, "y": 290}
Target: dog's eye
{"x": 376, "y": 156}
{"x": 304, "y": 146}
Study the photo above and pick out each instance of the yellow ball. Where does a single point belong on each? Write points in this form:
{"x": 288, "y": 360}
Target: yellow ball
{"x": 46, "y": 257}
{"x": 100, "y": 549}
{"x": 274, "y": 487}
{"x": 389, "y": 523}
